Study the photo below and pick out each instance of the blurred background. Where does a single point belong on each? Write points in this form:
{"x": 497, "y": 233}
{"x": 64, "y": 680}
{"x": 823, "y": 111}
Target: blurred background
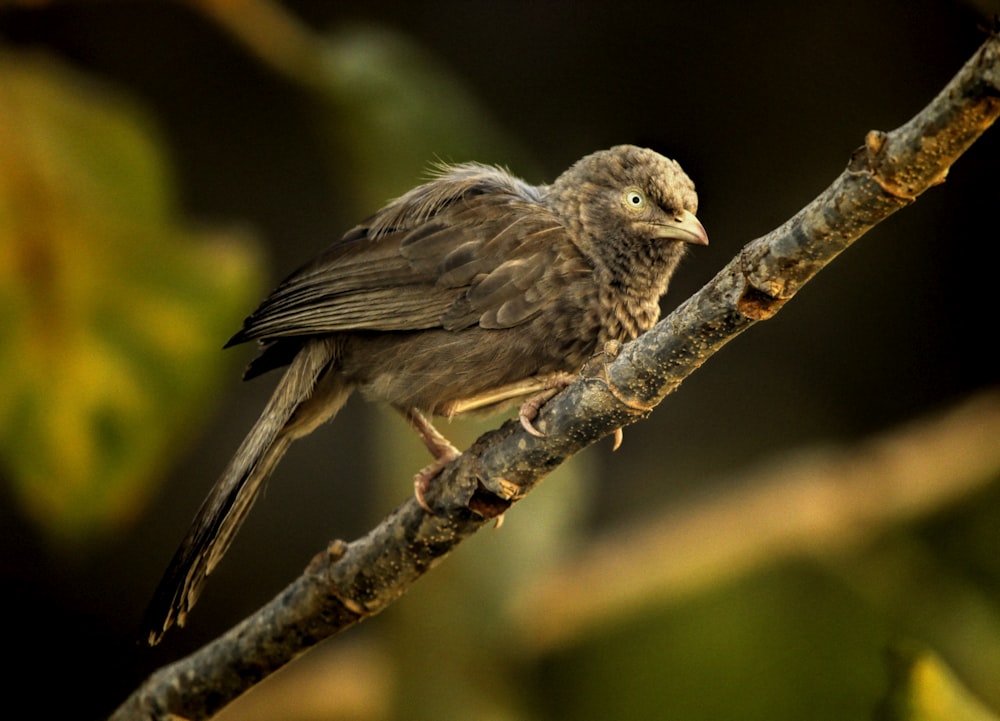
{"x": 807, "y": 522}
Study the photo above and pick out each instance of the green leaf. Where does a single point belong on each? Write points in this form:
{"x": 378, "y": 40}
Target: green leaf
{"x": 112, "y": 311}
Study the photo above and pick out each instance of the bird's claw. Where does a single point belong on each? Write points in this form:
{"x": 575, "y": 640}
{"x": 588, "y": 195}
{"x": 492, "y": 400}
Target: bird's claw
{"x": 422, "y": 484}
{"x": 529, "y": 412}
{"x": 529, "y": 409}
{"x": 425, "y": 477}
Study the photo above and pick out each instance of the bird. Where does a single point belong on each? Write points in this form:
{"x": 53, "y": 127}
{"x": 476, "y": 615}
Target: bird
{"x": 473, "y": 291}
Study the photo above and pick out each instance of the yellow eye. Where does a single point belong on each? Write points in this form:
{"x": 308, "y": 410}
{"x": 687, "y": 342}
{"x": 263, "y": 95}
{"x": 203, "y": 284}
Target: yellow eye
{"x": 634, "y": 199}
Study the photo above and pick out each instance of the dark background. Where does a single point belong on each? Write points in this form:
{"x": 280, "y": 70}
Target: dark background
{"x": 762, "y": 104}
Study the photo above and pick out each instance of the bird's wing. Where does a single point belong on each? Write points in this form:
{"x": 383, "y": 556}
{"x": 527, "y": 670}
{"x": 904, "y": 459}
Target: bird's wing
{"x": 470, "y": 247}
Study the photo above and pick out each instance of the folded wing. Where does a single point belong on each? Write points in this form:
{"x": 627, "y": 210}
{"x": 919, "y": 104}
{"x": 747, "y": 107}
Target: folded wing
{"x": 470, "y": 247}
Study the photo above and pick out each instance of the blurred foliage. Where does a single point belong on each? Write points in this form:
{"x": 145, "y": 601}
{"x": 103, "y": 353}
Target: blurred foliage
{"x": 111, "y": 308}
{"x": 789, "y": 642}
{"x": 389, "y": 108}
{"x": 393, "y": 109}
{"x": 797, "y": 640}
{"x": 924, "y": 689}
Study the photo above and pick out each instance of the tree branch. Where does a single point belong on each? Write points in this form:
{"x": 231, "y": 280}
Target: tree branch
{"x": 350, "y": 582}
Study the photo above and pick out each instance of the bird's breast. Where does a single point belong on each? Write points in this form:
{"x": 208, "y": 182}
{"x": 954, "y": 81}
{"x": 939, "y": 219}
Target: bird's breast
{"x": 622, "y": 316}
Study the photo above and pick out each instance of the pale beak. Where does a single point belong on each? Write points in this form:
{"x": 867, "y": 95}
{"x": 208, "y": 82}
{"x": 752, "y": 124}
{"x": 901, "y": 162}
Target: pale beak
{"x": 684, "y": 227}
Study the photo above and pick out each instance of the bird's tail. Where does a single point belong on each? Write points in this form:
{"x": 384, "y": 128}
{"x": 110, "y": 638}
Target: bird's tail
{"x": 306, "y": 396}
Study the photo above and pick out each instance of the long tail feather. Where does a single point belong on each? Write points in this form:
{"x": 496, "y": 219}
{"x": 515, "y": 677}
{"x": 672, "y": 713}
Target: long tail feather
{"x": 305, "y": 397}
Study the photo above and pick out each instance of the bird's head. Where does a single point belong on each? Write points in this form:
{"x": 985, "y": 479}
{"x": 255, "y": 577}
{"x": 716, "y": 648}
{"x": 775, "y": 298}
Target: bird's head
{"x": 629, "y": 205}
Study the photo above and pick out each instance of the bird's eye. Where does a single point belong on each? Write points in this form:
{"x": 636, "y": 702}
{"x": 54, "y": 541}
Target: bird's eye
{"x": 634, "y": 199}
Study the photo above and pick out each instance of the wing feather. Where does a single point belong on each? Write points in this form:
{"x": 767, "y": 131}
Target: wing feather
{"x": 471, "y": 246}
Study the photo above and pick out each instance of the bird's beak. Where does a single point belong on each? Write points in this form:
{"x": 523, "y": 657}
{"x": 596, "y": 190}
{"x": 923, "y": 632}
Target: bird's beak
{"x": 684, "y": 227}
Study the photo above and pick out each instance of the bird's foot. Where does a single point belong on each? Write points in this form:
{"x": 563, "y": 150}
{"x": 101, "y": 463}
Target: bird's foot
{"x": 425, "y": 477}
{"x": 439, "y": 446}
{"x": 529, "y": 409}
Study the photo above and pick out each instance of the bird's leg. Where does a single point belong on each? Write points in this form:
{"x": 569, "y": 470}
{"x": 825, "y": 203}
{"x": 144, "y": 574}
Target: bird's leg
{"x": 529, "y": 409}
{"x": 497, "y": 396}
{"x": 439, "y": 446}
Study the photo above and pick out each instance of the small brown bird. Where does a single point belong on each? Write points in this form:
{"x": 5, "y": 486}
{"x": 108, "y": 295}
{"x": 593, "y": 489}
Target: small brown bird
{"x": 469, "y": 292}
